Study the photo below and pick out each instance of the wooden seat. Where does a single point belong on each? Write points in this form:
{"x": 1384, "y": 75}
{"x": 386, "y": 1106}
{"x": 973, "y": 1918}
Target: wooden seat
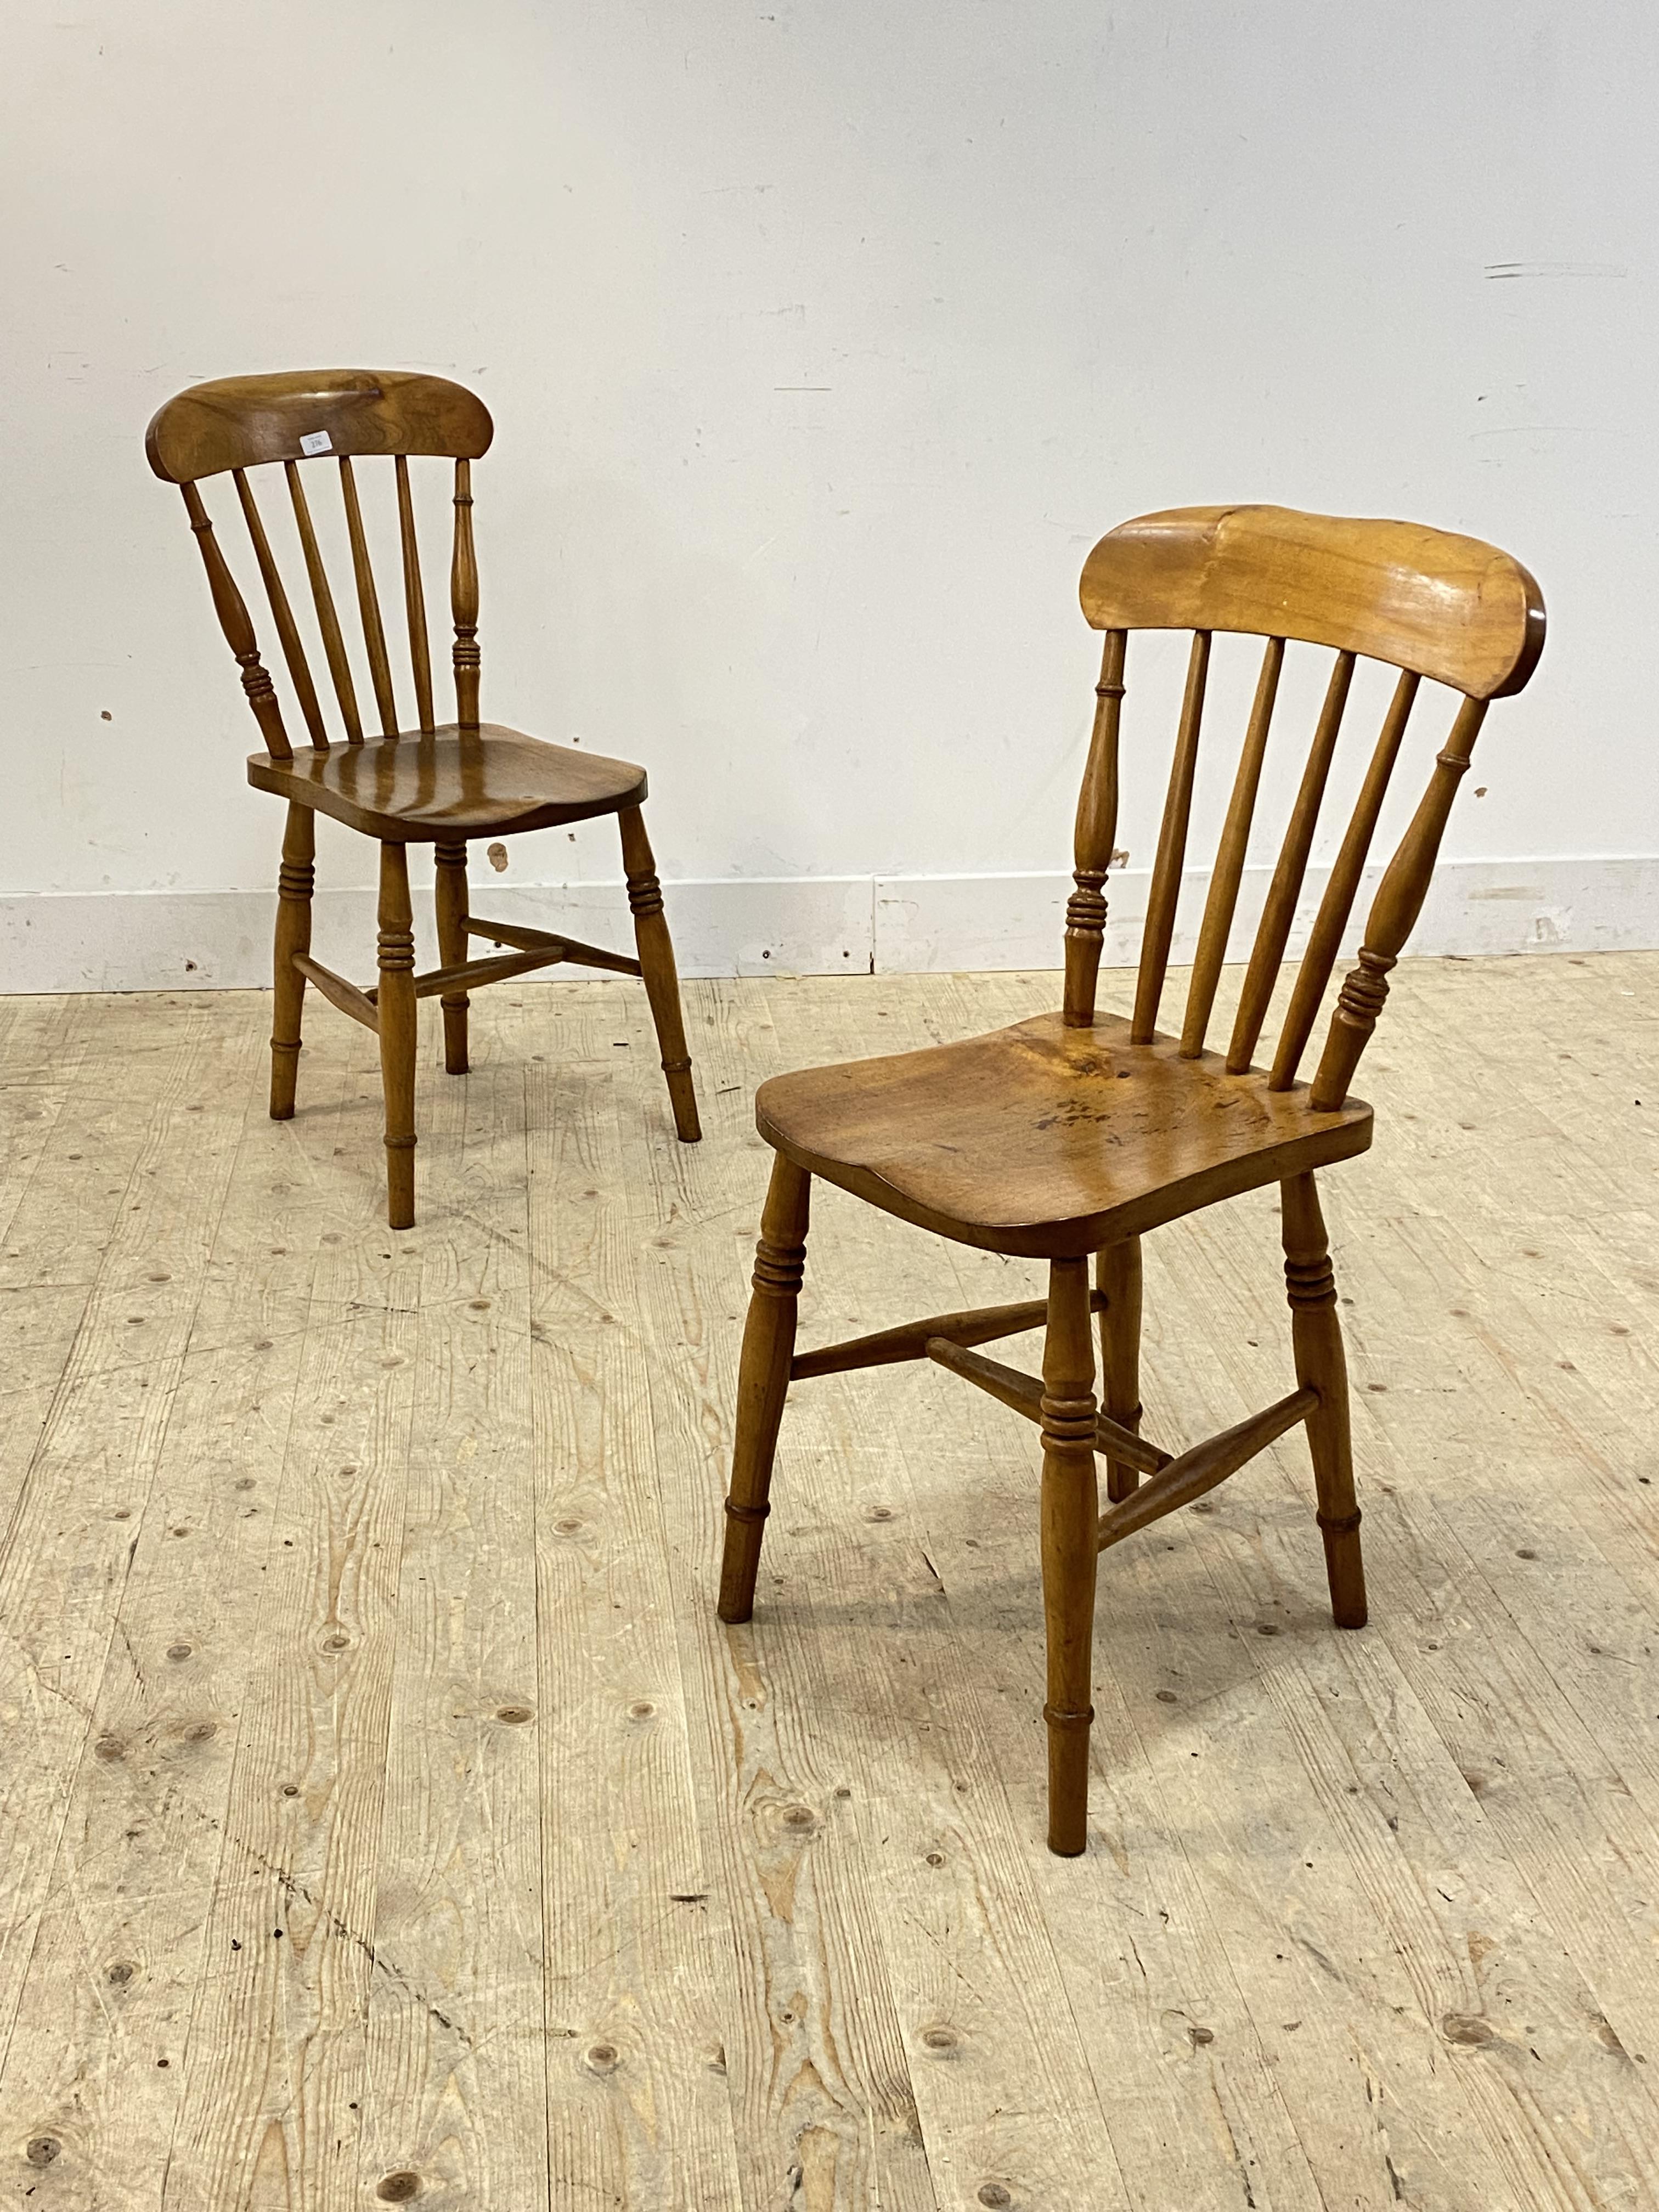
{"x": 422, "y": 785}
{"x": 436, "y": 783}
{"x": 1047, "y": 1142}
{"x": 1073, "y": 1134}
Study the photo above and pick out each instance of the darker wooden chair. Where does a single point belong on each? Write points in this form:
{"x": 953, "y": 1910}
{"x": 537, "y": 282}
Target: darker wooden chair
{"x": 437, "y": 783}
{"x": 1072, "y": 1135}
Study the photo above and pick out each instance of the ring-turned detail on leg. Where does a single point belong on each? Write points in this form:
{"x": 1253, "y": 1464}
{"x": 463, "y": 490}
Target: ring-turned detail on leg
{"x": 768, "y": 1343}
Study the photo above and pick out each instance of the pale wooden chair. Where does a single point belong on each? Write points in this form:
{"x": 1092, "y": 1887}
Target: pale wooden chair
{"x": 1072, "y": 1135}
{"x": 437, "y": 783}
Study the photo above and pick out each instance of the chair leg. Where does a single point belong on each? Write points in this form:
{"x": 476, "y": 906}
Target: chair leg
{"x": 396, "y": 1002}
{"x": 1071, "y": 1521}
{"x": 1317, "y": 1336}
{"x": 451, "y": 901}
{"x": 662, "y": 984}
{"x": 294, "y": 880}
{"x": 1117, "y": 1277}
{"x": 768, "y": 1343}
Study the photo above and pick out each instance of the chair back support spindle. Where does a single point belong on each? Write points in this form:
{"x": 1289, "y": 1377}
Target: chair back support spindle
{"x": 1399, "y": 901}
{"x": 1218, "y": 908}
{"x": 1325, "y": 938}
{"x": 1273, "y": 932}
{"x": 464, "y": 602}
{"x": 369, "y": 603}
{"x": 281, "y": 614}
{"x": 241, "y": 422}
{"x": 1165, "y": 892}
{"x": 414, "y": 598}
{"x": 1426, "y": 602}
{"x": 1092, "y": 841}
{"x": 232, "y": 610}
{"x": 323, "y": 600}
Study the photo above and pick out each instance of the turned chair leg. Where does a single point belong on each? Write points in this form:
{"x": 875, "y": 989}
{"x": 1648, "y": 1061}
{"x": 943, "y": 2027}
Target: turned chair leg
{"x": 294, "y": 880}
{"x": 451, "y": 903}
{"x": 768, "y": 1343}
{"x": 396, "y": 1003}
{"x": 1071, "y": 1521}
{"x": 662, "y": 987}
{"x": 1117, "y": 1277}
{"x": 1316, "y": 1336}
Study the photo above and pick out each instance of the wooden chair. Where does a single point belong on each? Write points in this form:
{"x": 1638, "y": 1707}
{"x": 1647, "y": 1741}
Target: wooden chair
{"x": 1072, "y": 1135}
{"x": 434, "y": 783}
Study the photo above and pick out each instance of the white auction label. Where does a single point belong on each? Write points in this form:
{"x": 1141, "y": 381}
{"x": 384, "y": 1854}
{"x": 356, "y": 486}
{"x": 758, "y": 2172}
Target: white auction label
{"x": 316, "y": 442}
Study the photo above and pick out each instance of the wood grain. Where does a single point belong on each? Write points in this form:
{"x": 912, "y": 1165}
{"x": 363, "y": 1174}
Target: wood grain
{"x": 1448, "y": 607}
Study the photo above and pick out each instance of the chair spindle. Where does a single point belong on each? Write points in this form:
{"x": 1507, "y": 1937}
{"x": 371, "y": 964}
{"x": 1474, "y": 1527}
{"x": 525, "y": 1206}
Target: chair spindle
{"x": 1335, "y": 907}
{"x": 1171, "y": 849}
{"x": 1218, "y": 908}
{"x": 1096, "y": 827}
{"x": 323, "y": 598}
{"x": 1399, "y": 901}
{"x": 283, "y": 615}
{"x": 369, "y": 603}
{"x": 232, "y": 610}
{"x": 414, "y": 598}
{"x": 464, "y": 602}
{"x": 1279, "y": 912}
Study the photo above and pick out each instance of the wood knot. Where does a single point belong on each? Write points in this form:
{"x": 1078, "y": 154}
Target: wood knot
{"x": 1468, "y": 2027}
{"x": 42, "y": 2150}
{"x": 399, "y": 2188}
{"x": 943, "y": 2042}
{"x": 602, "y": 2057}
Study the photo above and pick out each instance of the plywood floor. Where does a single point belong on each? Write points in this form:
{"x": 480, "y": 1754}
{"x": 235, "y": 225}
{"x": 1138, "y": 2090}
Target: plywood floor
{"x": 385, "y": 1817}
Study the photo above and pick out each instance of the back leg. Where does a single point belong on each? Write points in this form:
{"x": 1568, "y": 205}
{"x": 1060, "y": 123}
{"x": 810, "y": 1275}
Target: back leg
{"x": 451, "y": 903}
{"x": 769, "y": 1345}
{"x": 662, "y": 983}
{"x": 1117, "y": 1277}
{"x": 1321, "y": 1366}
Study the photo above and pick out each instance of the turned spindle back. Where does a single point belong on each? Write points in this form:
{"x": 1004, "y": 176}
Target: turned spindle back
{"x": 319, "y": 422}
{"x": 1427, "y": 603}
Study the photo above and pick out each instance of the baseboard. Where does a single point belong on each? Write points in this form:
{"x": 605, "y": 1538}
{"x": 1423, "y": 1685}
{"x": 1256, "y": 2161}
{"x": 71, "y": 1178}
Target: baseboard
{"x": 809, "y": 926}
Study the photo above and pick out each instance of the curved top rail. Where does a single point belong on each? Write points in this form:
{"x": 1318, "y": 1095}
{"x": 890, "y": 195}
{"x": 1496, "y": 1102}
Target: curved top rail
{"x": 238, "y": 421}
{"x": 1448, "y": 607}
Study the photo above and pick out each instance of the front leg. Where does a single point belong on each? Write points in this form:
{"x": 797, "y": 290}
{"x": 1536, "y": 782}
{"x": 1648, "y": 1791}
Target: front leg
{"x": 769, "y": 1345}
{"x": 1321, "y": 1366}
{"x": 1071, "y": 1533}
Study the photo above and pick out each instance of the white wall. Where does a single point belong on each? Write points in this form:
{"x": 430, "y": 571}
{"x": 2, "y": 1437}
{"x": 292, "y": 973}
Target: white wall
{"x": 821, "y": 342}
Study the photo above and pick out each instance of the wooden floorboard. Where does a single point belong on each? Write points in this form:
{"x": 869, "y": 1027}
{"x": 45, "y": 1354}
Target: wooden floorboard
{"x": 385, "y": 1817}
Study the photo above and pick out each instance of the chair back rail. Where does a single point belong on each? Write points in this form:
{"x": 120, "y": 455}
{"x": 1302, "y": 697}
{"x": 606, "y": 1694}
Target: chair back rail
{"x": 298, "y": 419}
{"x": 1428, "y": 603}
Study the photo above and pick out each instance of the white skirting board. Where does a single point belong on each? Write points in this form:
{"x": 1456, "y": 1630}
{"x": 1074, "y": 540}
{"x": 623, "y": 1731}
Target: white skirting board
{"x": 817, "y": 926}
